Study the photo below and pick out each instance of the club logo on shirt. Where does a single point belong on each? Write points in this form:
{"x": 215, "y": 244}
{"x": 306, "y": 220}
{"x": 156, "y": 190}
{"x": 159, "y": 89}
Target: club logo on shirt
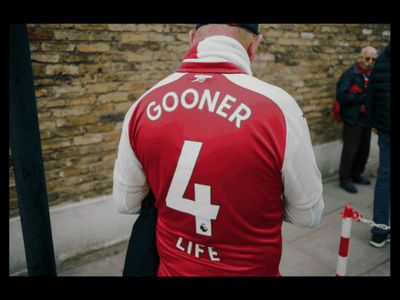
{"x": 201, "y": 78}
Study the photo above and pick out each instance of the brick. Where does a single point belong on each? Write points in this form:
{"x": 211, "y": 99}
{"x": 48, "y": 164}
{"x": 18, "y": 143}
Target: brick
{"x": 182, "y": 37}
{"x": 133, "y": 86}
{"x": 68, "y": 132}
{"x": 101, "y": 88}
{"x": 34, "y": 46}
{"x": 91, "y": 26}
{"x": 45, "y": 135}
{"x": 113, "y": 97}
{"x": 41, "y": 82}
{"x": 72, "y": 180}
{"x": 101, "y": 166}
{"x": 290, "y": 34}
{"x": 77, "y": 120}
{"x": 181, "y": 27}
{"x": 138, "y": 57}
{"x": 81, "y": 35}
{"x": 67, "y": 172}
{"x": 106, "y": 57}
{"x": 57, "y": 47}
{"x": 66, "y": 91}
{"x": 160, "y": 37}
{"x": 134, "y": 37}
{"x": 153, "y": 27}
{"x": 166, "y": 56}
{"x": 82, "y": 100}
{"x": 104, "y": 108}
{"x": 88, "y": 139}
{"x": 55, "y": 26}
{"x": 94, "y": 47}
{"x": 266, "y": 57}
{"x": 97, "y": 128}
{"x": 114, "y": 117}
{"x": 71, "y": 111}
{"x": 62, "y": 69}
{"x": 85, "y": 160}
{"x": 41, "y": 93}
{"x": 177, "y": 47}
{"x": 56, "y": 144}
{"x": 290, "y": 42}
{"x": 61, "y": 122}
{"x": 50, "y": 102}
{"x": 77, "y": 59}
{"x": 38, "y": 70}
{"x": 112, "y": 136}
{"x": 122, "y": 27}
{"x": 51, "y": 58}
{"x": 100, "y": 69}
{"x": 298, "y": 83}
{"x": 40, "y": 35}
{"x": 366, "y": 31}
{"x": 124, "y": 106}
{"x": 90, "y": 186}
{"x": 307, "y": 35}
{"x": 43, "y": 114}
{"x": 275, "y": 33}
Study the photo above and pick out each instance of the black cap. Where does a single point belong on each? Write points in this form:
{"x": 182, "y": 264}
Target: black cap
{"x": 251, "y": 27}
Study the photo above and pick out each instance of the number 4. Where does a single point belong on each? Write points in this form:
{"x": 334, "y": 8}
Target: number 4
{"x": 201, "y": 208}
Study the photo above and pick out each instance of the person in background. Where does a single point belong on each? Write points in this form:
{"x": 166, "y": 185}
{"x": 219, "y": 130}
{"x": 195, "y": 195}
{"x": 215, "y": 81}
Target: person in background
{"x": 378, "y": 107}
{"x": 356, "y": 134}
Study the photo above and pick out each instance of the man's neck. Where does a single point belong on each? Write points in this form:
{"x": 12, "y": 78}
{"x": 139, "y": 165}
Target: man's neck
{"x": 364, "y": 70}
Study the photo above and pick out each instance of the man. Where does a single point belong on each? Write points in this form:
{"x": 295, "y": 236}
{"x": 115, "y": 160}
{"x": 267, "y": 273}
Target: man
{"x": 356, "y": 134}
{"x": 227, "y": 156}
{"x": 378, "y": 106}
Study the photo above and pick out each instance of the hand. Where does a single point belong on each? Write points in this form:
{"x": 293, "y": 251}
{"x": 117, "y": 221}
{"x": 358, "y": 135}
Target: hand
{"x": 355, "y": 89}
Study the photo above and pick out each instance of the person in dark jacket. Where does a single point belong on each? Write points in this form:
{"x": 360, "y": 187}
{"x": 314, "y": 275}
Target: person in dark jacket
{"x": 378, "y": 107}
{"x": 356, "y": 134}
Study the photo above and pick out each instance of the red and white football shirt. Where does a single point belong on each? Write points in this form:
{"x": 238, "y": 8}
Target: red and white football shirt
{"x": 220, "y": 150}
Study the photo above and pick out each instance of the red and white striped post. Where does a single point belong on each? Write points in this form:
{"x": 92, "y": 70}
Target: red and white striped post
{"x": 347, "y": 217}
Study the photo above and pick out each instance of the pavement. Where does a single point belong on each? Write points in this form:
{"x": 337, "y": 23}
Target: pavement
{"x": 306, "y": 252}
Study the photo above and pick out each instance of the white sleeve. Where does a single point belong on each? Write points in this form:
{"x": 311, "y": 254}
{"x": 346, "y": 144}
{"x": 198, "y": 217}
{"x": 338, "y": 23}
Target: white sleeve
{"x": 129, "y": 183}
{"x": 302, "y": 195}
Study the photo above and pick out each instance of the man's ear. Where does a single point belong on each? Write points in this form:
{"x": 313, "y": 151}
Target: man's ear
{"x": 253, "y": 47}
{"x": 191, "y": 38}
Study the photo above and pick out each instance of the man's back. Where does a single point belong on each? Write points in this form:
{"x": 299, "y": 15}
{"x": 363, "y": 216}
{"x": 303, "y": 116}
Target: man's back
{"x": 215, "y": 146}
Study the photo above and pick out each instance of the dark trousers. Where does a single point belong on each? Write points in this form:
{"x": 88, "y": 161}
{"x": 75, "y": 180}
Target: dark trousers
{"x": 382, "y": 186}
{"x": 141, "y": 256}
{"x": 355, "y": 152}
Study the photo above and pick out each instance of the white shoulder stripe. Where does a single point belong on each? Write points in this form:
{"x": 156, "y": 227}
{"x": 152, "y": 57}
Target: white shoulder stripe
{"x": 280, "y": 97}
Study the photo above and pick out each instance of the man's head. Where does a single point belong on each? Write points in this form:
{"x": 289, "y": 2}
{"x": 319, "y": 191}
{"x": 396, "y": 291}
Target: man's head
{"x": 367, "y": 57}
{"x": 246, "y": 34}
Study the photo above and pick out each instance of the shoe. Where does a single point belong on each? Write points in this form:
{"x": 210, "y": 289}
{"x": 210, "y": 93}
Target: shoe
{"x": 379, "y": 240}
{"x": 348, "y": 186}
{"x": 361, "y": 180}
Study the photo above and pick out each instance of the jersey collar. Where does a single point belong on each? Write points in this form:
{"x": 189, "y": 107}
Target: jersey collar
{"x": 217, "y": 54}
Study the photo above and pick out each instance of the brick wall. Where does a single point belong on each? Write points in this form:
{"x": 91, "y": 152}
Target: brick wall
{"x": 87, "y": 75}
